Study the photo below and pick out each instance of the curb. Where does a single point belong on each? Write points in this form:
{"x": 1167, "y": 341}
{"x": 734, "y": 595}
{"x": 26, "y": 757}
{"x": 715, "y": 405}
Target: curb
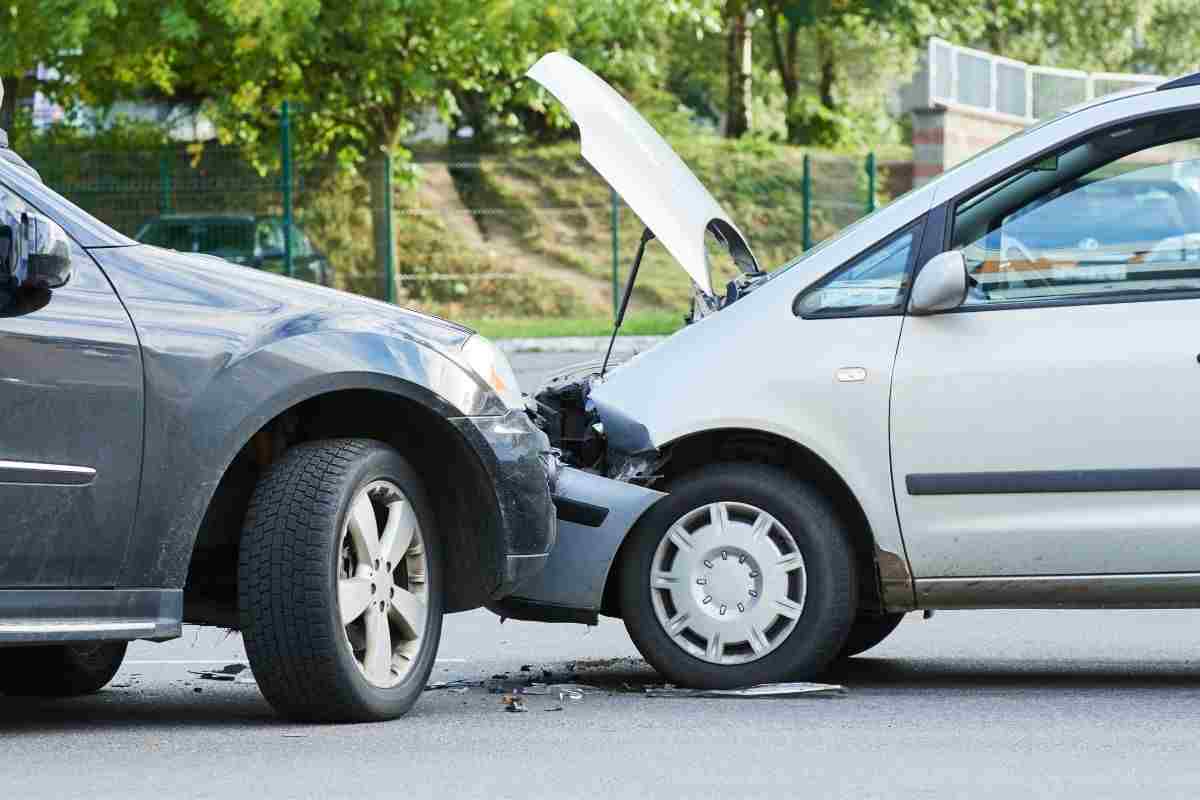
{"x": 577, "y": 344}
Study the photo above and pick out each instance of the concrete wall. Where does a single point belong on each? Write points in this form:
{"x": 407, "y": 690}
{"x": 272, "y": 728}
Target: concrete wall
{"x": 942, "y": 137}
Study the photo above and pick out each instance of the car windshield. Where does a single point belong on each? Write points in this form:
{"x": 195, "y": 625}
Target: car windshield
{"x": 221, "y": 237}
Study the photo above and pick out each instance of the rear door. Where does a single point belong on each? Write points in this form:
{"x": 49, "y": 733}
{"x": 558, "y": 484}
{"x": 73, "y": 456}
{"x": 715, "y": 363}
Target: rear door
{"x": 70, "y": 430}
{"x": 1051, "y": 426}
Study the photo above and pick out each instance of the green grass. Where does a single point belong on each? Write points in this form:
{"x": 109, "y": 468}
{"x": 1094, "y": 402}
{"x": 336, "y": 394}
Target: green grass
{"x": 648, "y": 323}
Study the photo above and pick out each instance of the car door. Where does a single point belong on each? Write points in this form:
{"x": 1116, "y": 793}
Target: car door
{"x": 70, "y": 429}
{"x": 1050, "y": 425}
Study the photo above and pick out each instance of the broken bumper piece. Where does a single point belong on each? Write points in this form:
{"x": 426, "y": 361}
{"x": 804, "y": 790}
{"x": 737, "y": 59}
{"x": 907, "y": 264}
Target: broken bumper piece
{"x": 594, "y": 516}
{"x": 522, "y": 469}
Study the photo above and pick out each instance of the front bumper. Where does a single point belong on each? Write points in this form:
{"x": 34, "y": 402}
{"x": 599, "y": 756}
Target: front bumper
{"x": 595, "y": 514}
{"x": 522, "y": 469}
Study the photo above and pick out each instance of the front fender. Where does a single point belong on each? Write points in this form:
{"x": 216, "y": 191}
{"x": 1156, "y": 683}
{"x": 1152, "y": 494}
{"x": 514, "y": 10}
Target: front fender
{"x": 222, "y": 357}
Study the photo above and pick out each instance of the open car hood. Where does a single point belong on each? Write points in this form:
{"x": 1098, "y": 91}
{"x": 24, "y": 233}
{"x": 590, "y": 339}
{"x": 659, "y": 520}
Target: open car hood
{"x": 643, "y": 169}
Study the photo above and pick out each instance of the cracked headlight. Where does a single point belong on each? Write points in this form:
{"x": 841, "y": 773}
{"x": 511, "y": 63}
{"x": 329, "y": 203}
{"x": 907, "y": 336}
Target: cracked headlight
{"x": 490, "y": 364}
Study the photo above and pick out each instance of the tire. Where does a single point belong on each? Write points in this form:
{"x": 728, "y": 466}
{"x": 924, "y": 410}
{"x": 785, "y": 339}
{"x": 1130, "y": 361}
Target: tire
{"x": 801, "y": 555}
{"x": 868, "y": 632}
{"x": 65, "y": 670}
{"x": 306, "y": 555}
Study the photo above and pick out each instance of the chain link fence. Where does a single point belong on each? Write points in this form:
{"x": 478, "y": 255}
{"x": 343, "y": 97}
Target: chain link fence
{"x": 535, "y": 233}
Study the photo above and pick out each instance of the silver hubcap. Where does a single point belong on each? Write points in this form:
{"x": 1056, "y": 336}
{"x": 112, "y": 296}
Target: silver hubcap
{"x": 728, "y": 583}
{"x": 382, "y": 596}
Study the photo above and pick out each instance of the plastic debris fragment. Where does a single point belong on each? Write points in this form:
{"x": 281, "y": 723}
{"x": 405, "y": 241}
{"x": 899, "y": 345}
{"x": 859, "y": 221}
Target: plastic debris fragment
{"x": 761, "y": 691}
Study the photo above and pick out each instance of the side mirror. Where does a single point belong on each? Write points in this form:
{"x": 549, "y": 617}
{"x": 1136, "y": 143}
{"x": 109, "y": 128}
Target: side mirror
{"x": 941, "y": 285}
{"x": 48, "y": 253}
{"x": 35, "y": 252}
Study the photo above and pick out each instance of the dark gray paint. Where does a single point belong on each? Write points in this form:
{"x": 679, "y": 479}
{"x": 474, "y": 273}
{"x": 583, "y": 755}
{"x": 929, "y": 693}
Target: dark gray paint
{"x": 70, "y": 394}
{"x": 578, "y": 568}
{"x": 226, "y": 349}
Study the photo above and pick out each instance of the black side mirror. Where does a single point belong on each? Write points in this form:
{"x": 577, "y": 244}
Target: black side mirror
{"x": 48, "y": 253}
{"x": 35, "y": 252}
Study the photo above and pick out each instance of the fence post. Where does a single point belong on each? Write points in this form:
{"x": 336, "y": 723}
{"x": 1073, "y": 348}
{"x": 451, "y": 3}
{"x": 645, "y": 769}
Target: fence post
{"x": 164, "y": 182}
{"x": 285, "y": 145}
{"x": 616, "y": 247}
{"x": 389, "y": 255}
{"x": 806, "y": 199}
{"x": 870, "y": 182}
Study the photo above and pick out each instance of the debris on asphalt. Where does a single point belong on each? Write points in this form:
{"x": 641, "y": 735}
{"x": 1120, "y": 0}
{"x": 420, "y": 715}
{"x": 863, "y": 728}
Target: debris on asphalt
{"x": 232, "y": 673}
{"x": 762, "y": 690}
{"x": 227, "y": 673}
{"x": 514, "y": 705}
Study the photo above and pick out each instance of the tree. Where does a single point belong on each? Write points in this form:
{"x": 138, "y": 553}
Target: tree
{"x": 739, "y": 63}
{"x": 41, "y": 33}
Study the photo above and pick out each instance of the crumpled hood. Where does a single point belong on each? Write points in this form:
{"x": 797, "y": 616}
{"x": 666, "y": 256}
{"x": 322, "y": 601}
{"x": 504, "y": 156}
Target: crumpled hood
{"x": 642, "y": 168}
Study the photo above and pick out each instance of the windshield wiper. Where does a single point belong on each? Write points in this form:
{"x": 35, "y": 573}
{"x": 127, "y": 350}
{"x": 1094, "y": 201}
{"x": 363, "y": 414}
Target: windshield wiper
{"x": 647, "y": 235}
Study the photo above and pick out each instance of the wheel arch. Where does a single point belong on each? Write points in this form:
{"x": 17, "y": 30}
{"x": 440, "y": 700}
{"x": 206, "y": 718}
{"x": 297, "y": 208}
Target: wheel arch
{"x": 405, "y": 415}
{"x": 884, "y": 578}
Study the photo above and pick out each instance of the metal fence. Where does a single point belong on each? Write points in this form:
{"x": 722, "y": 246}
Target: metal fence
{"x": 956, "y": 75}
{"x": 478, "y": 234}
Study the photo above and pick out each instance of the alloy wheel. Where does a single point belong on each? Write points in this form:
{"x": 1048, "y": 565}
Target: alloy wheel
{"x": 382, "y": 592}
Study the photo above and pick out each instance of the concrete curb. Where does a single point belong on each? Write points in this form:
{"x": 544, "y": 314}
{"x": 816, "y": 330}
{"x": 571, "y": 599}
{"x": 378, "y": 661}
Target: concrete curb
{"x": 577, "y": 344}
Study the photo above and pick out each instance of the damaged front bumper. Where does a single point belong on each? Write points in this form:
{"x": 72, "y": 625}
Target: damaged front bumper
{"x": 594, "y": 516}
{"x": 522, "y": 469}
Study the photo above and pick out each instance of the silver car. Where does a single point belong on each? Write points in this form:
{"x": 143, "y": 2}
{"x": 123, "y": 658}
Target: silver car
{"x": 984, "y": 395}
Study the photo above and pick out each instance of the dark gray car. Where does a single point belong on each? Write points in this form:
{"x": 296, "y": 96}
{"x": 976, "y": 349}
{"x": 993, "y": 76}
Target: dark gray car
{"x": 186, "y": 440}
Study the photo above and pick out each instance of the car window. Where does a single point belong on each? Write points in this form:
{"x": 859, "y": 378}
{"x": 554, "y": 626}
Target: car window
{"x": 1116, "y": 214}
{"x": 873, "y": 283}
{"x": 269, "y": 237}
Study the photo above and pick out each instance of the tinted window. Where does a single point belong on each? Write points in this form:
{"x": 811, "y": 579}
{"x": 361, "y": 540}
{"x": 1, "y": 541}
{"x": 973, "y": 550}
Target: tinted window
{"x": 872, "y": 283}
{"x": 1104, "y": 217}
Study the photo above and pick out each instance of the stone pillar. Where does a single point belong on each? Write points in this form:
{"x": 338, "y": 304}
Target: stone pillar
{"x": 942, "y": 137}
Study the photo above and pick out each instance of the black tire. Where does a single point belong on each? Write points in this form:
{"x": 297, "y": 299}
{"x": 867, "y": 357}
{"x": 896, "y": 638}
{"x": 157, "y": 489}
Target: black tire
{"x": 65, "y": 670}
{"x": 830, "y": 599}
{"x": 868, "y": 632}
{"x": 287, "y": 583}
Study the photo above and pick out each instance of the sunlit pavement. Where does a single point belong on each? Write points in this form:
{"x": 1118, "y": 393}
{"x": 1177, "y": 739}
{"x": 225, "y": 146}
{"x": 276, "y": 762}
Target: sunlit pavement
{"x": 979, "y": 704}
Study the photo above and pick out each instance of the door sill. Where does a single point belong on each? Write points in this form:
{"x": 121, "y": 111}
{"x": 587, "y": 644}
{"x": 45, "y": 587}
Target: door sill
{"x": 34, "y": 616}
{"x": 1150, "y": 590}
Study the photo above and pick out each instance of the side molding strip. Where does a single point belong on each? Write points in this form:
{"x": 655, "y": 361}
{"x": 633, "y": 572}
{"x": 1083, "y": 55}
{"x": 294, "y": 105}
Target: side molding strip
{"x": 52, "y": 474}
{"x": 1168, "y": 479}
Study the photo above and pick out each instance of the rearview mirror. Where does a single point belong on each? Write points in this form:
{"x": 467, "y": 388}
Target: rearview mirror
{"x": 35, "y": 252}
{"x": 941, "y": 285}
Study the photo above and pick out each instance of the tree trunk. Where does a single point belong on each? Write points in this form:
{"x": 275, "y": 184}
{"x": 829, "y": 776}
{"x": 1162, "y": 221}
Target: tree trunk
{"x": 8, "y": 107}
{"x": 739, "y": 67}
{"x": 783, "y": 48}
{"x": 828, "y": 72}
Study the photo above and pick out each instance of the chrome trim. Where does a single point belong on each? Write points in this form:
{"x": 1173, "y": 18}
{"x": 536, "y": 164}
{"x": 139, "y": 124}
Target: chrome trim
{"x": 54, "y": 474}
{"x": 1152, "y": 590}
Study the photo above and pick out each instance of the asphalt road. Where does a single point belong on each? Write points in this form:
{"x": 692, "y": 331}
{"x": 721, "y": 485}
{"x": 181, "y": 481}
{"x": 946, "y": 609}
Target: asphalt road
{"x": 979, "y": 704}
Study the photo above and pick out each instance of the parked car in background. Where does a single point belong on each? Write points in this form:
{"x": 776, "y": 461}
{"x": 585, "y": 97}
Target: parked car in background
{"x": 984, "y": 395}
{"x": 187, "y": 441}
{"x": 253, "y": 241}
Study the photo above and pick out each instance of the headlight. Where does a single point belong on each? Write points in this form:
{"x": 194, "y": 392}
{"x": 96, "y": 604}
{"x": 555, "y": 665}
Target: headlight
{"x": 490, "y": 364}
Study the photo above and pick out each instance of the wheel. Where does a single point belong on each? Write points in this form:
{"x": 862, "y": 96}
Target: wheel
{"x": 868, "y": 632}
{"x": 339, "y": 583}
{"x": 741, "y": 575}
{"x": 63, "y": 670}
